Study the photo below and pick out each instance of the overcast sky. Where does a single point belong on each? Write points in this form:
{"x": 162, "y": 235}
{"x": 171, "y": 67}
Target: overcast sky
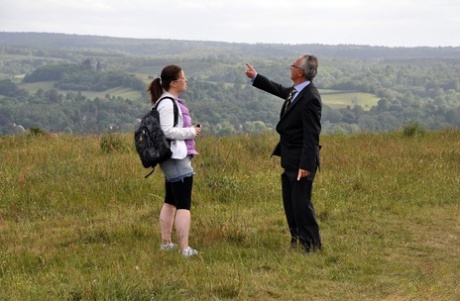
{"x": 392, "y": 23}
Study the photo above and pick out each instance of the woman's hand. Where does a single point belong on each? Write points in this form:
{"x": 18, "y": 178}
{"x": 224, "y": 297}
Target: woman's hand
{"x": 198, "y": 129}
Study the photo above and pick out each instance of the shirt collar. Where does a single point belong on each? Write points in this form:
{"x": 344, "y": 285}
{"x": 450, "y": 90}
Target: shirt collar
{"x": 301, "y": 86}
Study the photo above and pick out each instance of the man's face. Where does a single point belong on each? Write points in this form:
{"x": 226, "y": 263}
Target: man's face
{"x": 296, "y": 71}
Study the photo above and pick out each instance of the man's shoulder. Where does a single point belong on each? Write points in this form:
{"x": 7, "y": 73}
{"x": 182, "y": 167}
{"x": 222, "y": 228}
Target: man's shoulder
{"x": 310, "y": 89}
{"x": 311, "y": 95}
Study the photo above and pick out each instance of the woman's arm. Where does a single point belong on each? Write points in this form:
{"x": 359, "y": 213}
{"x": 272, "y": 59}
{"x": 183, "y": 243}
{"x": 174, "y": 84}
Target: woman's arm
{"x": 166, "y": 110}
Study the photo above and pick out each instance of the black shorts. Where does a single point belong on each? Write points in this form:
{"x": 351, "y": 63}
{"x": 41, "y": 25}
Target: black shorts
{"x": 179, "y": 194}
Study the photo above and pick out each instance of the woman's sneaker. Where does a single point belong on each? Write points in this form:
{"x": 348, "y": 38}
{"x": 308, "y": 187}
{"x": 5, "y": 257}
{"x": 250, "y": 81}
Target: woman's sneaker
{"x": 187, "y": 252}
{"x": 168, "y": 247}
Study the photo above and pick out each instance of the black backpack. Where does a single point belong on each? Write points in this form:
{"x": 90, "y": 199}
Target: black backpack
{"x": 151, "y": 143}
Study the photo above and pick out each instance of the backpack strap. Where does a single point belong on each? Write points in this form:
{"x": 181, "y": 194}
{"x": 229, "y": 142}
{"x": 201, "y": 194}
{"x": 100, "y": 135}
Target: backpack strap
{"x": 176, "y": 109}
{"x": 176, "y": 120}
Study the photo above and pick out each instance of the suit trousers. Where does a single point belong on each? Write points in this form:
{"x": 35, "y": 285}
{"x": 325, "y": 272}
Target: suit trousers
{"x": 299, "y": 210}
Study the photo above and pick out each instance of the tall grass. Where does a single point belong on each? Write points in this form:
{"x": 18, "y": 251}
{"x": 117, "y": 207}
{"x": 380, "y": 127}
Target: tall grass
{"x": 78, "y": 221}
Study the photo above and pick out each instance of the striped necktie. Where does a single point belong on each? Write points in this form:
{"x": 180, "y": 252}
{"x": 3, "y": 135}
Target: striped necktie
{"x": 288, "y": 99}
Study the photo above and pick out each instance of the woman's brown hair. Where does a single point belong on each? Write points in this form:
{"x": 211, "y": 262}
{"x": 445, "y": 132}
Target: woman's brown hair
{"x": 168, "y": 74}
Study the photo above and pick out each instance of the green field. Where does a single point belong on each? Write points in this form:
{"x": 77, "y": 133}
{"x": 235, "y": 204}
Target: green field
{"x": 79, "y": 222}
{"x": 342, "y": 99}
{"x": 34, "y": 87}
{"x": 117, "y": 92}
{"x": 334, "y": 99}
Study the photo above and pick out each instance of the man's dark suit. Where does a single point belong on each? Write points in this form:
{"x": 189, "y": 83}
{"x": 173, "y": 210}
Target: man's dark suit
{"x": 299, "y": 128}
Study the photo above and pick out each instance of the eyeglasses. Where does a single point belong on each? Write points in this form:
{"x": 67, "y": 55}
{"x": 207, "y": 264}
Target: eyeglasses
{"x": 180, "y": 79}
{"x": 297, "y": 67}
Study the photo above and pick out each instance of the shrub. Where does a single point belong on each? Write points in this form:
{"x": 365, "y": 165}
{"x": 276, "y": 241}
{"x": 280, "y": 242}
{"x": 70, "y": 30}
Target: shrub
{"x": 112, "y": 142}
{"x": 36, "y": 131}
{"x": 412, "y": 129}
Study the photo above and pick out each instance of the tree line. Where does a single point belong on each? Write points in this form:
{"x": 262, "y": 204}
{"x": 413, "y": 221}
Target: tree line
{"x": 411, "y": 90}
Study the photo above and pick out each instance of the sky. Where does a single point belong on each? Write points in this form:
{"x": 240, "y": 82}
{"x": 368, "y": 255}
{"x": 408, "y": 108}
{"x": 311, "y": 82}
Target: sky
{"x": 393, "y": 23}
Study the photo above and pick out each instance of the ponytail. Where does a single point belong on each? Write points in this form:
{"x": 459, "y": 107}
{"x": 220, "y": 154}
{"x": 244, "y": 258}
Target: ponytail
{"x": 155, "y": 90}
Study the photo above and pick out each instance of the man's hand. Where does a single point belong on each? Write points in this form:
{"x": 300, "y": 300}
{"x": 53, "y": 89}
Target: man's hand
{"x": 250, "y": 71}
{"x": 302, "y": 174}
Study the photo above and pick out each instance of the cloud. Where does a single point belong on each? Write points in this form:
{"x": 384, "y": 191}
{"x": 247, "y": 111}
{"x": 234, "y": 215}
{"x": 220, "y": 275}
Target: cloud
{"x": 389, "y": 23}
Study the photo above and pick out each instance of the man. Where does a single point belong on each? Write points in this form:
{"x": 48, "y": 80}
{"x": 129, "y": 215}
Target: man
{"x": 299, "y": 128}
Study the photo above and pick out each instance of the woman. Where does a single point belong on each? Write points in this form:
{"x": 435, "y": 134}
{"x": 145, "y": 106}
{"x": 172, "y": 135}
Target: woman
{"x": 178, "y": 171}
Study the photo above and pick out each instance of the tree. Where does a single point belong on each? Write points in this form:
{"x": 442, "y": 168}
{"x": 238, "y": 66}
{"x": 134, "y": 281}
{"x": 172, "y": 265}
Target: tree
{"x": 86, "y": 64}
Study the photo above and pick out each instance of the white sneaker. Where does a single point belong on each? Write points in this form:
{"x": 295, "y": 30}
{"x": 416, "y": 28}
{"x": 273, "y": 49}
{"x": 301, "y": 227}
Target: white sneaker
{"x": 187, "y": 252}
{"x": 168, "y": 247}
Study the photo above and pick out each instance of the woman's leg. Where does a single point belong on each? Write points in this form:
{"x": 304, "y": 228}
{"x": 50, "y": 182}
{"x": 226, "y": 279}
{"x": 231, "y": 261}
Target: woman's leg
{"x": 182, "y": 224}
{"x": 182, "y": 191}
{"x": 166, "y": 222}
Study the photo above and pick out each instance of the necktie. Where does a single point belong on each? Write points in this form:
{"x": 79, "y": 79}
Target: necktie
{"x": 289, "y": 98}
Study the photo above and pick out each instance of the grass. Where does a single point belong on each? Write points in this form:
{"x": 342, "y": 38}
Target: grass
{"x": 79, "y": 222}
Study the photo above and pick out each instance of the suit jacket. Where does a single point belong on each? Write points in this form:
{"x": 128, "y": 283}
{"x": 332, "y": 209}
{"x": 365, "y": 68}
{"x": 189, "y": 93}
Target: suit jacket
{"x": 299, "y": 127}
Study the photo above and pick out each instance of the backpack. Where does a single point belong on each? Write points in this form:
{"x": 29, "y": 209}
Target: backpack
{"x": 149, "y": 139}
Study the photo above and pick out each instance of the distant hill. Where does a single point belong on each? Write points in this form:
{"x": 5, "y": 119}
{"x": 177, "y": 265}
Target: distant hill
{"x": 162, "y": 47}
{"x": 364, "y": 88}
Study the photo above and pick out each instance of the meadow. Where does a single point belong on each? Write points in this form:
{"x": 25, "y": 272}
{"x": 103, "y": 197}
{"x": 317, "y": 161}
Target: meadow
{"x": 78, "y": 221}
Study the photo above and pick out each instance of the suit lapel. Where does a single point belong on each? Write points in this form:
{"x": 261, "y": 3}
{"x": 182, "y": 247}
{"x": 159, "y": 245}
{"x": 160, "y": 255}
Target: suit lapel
{"x": 290, "y": 107}
{"x": 297, "y": 99}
